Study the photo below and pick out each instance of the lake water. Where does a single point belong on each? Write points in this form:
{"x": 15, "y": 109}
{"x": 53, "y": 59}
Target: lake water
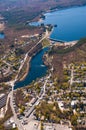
{"x": 1, "y": 36}
{"x": 71, "y": 26}
{"x": 71, "y": 23}
{"x": 37, "y": 69}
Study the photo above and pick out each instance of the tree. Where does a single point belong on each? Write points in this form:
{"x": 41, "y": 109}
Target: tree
{"x": 74, "y": 120}
{"x": 41, "y": 126}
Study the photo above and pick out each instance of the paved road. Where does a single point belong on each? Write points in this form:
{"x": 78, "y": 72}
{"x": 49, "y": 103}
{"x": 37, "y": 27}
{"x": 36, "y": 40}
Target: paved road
{"x": 29, "y": 114}
{"x": 72, "y": 76}
{"x": 26, "y": 56}
{"x": 38, "y": 98}
{"x": 75, "y": 81}
{"x": 18, "y": 123}
{"x": 79, "y": 81}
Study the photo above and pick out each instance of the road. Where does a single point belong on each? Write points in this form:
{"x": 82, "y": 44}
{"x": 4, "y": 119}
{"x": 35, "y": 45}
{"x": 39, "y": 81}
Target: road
{"x": 26, "y": 56}
{"x": 72, "y": 76}
{"x": 75, "y": 81}
{"x": 39, "y": 98}
{"x": 17, "y": 121}
{"x": 29, "y": 114}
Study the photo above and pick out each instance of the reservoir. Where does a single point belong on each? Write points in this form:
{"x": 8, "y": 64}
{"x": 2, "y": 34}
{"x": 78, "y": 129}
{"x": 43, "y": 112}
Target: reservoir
{"x": 37, "y": 69}
{"x": 71, "y": 25}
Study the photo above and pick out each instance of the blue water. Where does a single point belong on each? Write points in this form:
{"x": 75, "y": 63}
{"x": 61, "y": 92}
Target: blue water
{"x": 71, "y": 23}
{"x": 71, "y": 26}
{"x": 1, "y": 36}
{"x": 37, "y": 69}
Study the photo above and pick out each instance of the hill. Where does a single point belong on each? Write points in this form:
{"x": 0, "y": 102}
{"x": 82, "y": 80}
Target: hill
{"x": 64, "y": 56}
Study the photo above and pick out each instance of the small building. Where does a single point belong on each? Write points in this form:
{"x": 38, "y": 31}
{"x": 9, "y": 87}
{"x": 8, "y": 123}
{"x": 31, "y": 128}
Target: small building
{"x": 73, "y": 103}
{"x": 3, "y": 99}
{"x": 9, "y": 124}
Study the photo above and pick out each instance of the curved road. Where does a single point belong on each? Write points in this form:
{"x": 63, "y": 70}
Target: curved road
{"x": 18, "y": 123}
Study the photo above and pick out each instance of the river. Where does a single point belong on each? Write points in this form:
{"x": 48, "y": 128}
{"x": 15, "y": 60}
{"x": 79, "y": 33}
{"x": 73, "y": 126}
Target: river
{"x": 37, "y": 69}
{"x": 71, "y": 25}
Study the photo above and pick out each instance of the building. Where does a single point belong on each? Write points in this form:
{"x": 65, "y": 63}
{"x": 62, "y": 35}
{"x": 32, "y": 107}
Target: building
{"x": 3, "y": 99}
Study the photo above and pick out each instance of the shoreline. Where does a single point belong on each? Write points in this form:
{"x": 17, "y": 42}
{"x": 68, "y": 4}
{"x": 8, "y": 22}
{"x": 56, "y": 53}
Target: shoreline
{"x": 63, "y": 8}
{"x": 72, "y": 43}
{"x": 19, "y": 79}
{"x": 26, "y": 71}
{"x": 29, "y": 61}
{"x": 28, "y": 67}
{"x": 51, "y": 34}
{"x": 54, "y": 10}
